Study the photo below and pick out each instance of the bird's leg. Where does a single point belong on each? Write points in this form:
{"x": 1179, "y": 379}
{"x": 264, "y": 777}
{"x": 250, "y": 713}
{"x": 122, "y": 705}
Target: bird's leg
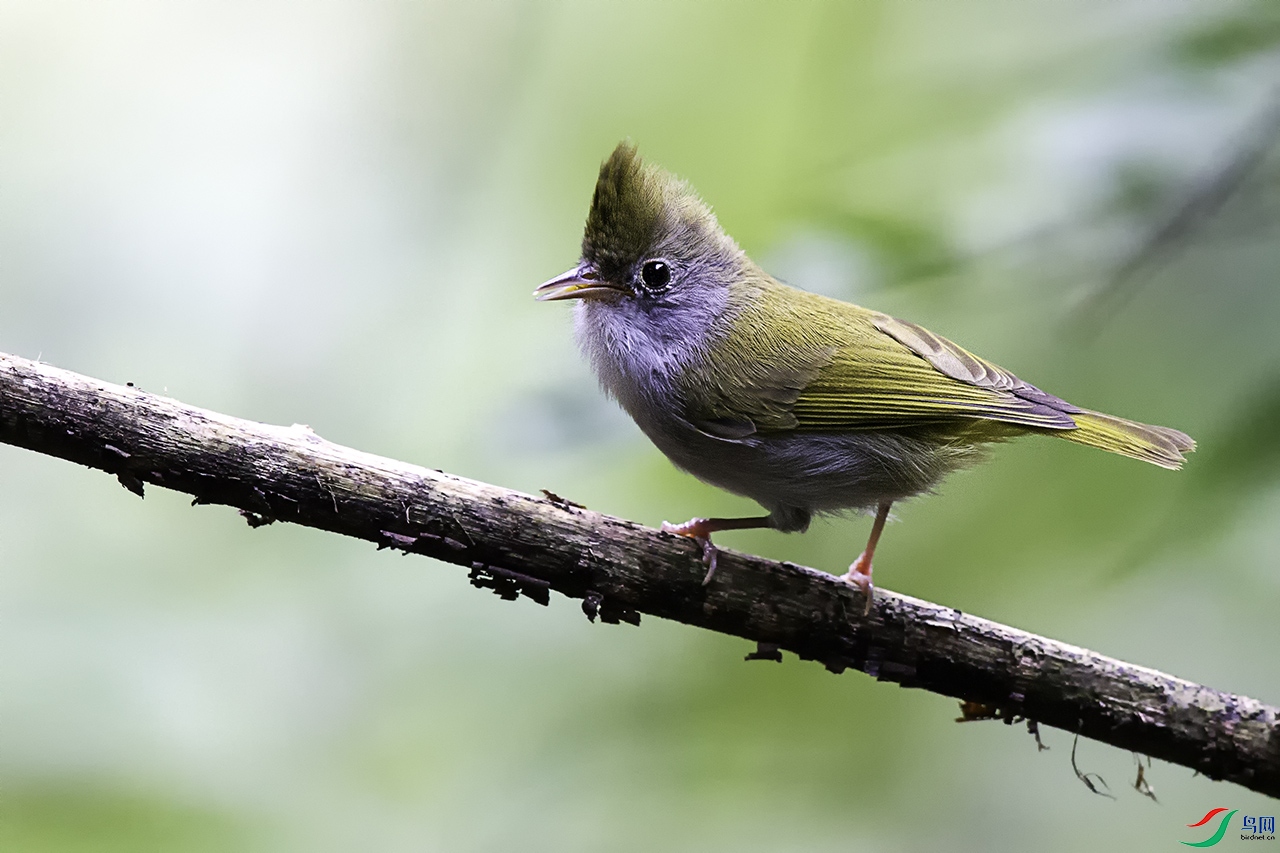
{"x": 700, "y": 530}
{"x": 859, "y": 573}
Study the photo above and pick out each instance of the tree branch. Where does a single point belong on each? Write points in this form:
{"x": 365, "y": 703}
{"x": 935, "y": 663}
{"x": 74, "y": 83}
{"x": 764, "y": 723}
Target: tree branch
{"x": 522, "y": 545}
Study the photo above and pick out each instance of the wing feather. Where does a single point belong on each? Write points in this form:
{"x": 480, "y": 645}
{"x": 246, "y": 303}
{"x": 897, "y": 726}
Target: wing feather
{"x": 845, "y": 368}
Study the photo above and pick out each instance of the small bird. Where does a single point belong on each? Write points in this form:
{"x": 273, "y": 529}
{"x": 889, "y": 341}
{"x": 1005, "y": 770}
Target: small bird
{"x": 801, "y": 402}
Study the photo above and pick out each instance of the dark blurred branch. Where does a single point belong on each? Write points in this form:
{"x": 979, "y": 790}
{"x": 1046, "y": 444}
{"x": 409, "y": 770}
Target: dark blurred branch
{"x": 1198, "y": 203}
{"x": 520, "y": 545}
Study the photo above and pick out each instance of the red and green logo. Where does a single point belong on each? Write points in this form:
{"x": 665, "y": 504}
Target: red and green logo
{"x": 1218, "y": 833}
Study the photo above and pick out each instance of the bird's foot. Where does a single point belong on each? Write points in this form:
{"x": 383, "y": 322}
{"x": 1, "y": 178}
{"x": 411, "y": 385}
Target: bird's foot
{"x": 699, "y": 530}
{"x": 859, "y": 575}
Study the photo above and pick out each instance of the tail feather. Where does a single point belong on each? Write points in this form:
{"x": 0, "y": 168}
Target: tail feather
{"x": 1155, "y": 444}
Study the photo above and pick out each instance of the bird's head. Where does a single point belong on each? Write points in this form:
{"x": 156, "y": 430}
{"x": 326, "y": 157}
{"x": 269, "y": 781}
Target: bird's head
{"x": 650, "y": 243}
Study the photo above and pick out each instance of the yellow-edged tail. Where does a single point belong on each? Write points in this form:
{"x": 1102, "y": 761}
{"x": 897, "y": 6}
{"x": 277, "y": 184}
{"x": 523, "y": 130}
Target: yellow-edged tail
{"x": 1155, "y": 444}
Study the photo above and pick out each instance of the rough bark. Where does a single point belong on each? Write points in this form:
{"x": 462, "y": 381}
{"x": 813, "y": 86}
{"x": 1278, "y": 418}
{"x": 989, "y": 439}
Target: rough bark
{"x": 517, "y": 544}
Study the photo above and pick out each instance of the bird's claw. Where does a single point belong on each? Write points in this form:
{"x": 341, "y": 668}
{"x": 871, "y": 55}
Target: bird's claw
{"x": 710, "y": 555}
{"x": 696, "y": 529}
{"x": 859, "y": 575}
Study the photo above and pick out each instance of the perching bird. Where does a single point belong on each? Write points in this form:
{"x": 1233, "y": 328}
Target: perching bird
{"x": 803, "y": 403}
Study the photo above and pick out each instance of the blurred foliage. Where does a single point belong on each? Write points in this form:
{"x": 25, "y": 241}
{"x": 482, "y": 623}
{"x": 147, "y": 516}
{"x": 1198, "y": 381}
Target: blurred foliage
{"x": 335, "y": 214}
{"x": 1240, "y": 463}
{"x": 69, "y": 821}
{"x": 1243, "y": 32}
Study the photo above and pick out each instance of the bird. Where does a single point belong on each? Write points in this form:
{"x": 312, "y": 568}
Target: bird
{"x": 806, "y": 404}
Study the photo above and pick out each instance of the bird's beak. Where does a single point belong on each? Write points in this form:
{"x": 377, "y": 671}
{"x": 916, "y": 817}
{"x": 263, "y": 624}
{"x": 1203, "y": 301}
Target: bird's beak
{"x": 581, "y": 282}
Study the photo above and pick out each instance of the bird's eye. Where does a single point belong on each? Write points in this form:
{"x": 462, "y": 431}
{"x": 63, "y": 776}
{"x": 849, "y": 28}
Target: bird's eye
{"x": 656, "y": 275}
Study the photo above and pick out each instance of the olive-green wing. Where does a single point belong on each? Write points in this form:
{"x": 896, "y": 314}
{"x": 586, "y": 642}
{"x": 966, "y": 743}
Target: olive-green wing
{"x": 902, "y": 375}
{"x": 841, "y": 367}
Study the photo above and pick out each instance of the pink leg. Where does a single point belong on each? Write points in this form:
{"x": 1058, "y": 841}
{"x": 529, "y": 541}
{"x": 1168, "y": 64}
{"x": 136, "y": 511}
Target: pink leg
{"x": 700, "y": 530}
{"x": 859, "y": 573}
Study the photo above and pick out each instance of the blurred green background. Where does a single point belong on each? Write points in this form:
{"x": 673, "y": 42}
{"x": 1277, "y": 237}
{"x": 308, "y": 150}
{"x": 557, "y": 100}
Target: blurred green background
{"x": 334, "y": 213}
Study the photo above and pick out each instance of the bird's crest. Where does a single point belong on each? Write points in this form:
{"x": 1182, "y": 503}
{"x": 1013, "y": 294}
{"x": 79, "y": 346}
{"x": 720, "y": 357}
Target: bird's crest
{"x": 634, "y": 206}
